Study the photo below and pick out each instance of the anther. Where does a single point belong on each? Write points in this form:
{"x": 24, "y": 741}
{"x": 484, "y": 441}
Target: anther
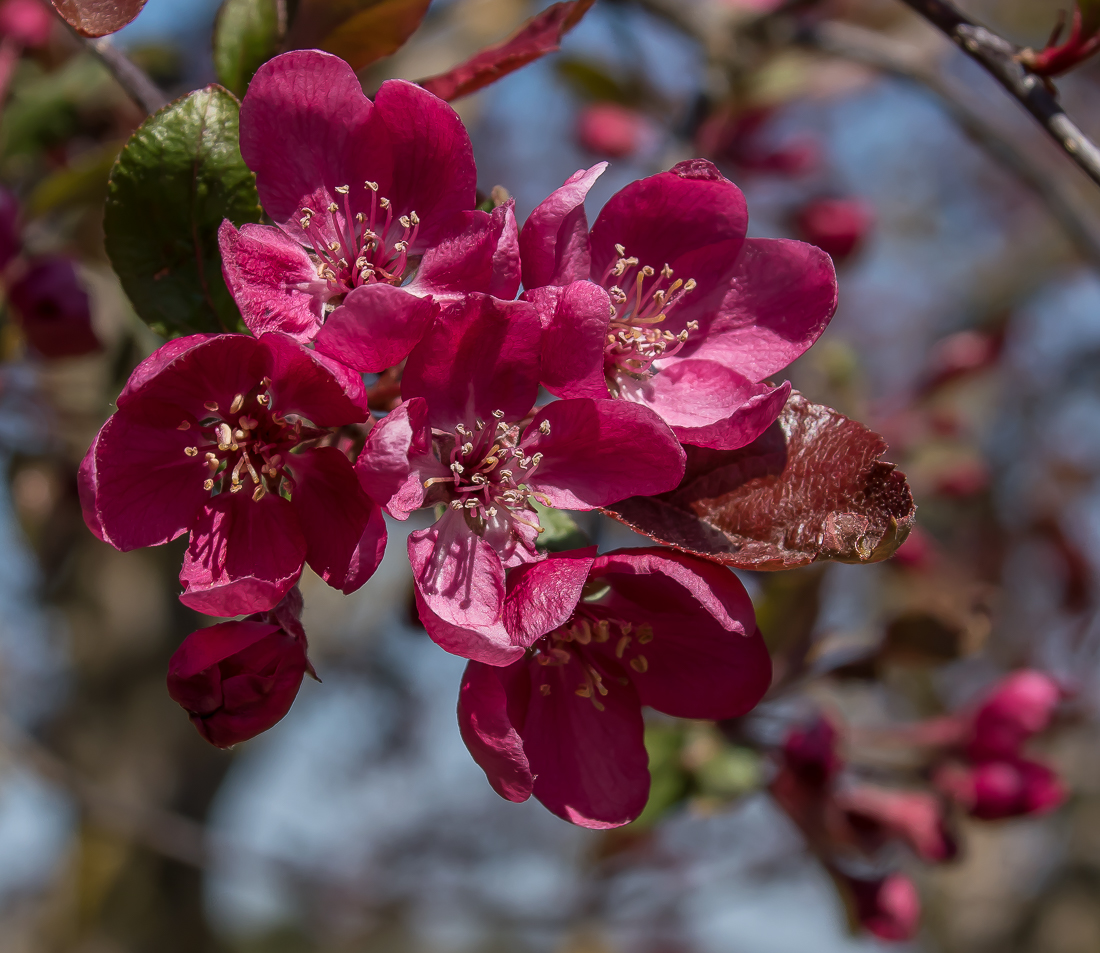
{"x": 457, "y": 467}
{"x": 621, "y": 645}
{"x": 211, "y": 406}
{"x": 492, "y": 511}
{"x": 472, "y": 504}
{"x": 225, "y": 436}
{"x": 456, "y": 504}
{"x": 639, "y": 663}
{"x": 479, "y": 424}
{"x": 239, "y": 434}
{"x": 248, "y": 423}
{"x": 191, "y": 451}
{"x": 467, "y": 448}
{"x": 263, "y": 400}
{"x": 544, "y": 689}
{"x": 360, "y": 218}
{"x": 620, "y": 250}
{"x": 384, "y": 202}
{"x": 666, "y": 272}
{"x": 690, "y": 284}
{"x": 414, "y": 218}
{"x": 544, "y": 428}
{"x": 499, "y": 414}
{"x": 259, "y": 493}
{"x": 208, "y": 484}
{"x": 373, "y": 186}
{"x": 585, "y": 691}
{"x": 343, "y": 189}
{"x": 184, "y": 425}
{"x": 506, "y": 474}
{"x": 235, "y": 488}
{"x": 603, "y": 630}
{"x": 238, "y": 403}
{"x": 647, "y": 271}
{"x": 405, "y": 221}
{"x": 645, "y": 633}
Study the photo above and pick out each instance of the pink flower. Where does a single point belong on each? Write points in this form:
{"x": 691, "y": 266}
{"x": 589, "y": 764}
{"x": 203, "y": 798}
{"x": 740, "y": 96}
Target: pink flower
{"x": 836, "y": 226}
{"x": 603, "y": 636}
{"x": 222, "y": 436}
{"x": 887, "y": 907}
{"x": 374, "y": 212}
{"x": 608, "y": 129}
{"x": 466, "y": 438}
{"x": 917, "y": 817}
{"x": 667, "y": 304}
{"x": 1021, "y": 705}
{"x": 993, "y": 790}
{"x": 236, "y": 679}
{"x": 53, "y": 309}
{"x": 27, "y": 22}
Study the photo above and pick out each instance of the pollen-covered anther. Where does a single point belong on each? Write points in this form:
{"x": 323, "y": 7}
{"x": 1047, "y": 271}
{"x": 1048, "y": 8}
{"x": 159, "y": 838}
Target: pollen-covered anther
{"x": 621, "y": 645}
{"x": 544, "y": 688}
{"x": 208, "y": 484}
{"x": 666, "y": 272}
{"x": 263, "y": 400}
{"x": 225, "y": 436}
{"x": 238, "y": 403}
{"x": 645, "y": 633}
{"x": 499, "y": 414}
{"x": 384, "y": 202}
{"x": 259, "y": 493}
{"x": 373, "y": 186}
{"x": 191, "y": 451}
{"x": 639, "y": 663}
{"x": 184, "y": 425}
{"x": 343, "y": 189}
{"x": 405, "y": 221}
{"x": 544, "y": 428}
{"x": 211, "y": 406}
{"x": 456, "y": 504}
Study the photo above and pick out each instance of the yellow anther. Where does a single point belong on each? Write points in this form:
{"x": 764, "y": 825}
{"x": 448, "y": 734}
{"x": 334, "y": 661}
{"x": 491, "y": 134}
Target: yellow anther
{"x": 238, "y": 403}
{"x": 585, "y": 691}
{"x": 582, "y": 632}
{"x": 414, "y": 218}
{"x": 544, "y": 428}
{"x": 645, "y": 633}
{"x": 603, "y": 630}
{"x": 235, "y": 488}
{"x": 239, "y": 434}
{"x": 647, "y": 271}
{"x": 666, "y": 272}
{"x": 621, "y": 645}
{"x": 208, "y": 485}
{"x": 191, "y": 451}
{"x": 689, "y": 285}
{"x": 343, "y": 189}
{"x": 333, "y": 207}
{"x": 620, "y": 250}
{"x": 384, "y": 202}
{"x": 373, "y": 186}
{"x": 248, "y": 423}
{"x": 184, "y": 425}
{"x": 211, "y": 406}
{"x": 263, "y": 400}
{"x": 405, "y": 221}
{"x": 544, "y": 688}
{"x": 639, "y": 663}
{"x": 259, "y": 493}
{"x": 225, "y": 436}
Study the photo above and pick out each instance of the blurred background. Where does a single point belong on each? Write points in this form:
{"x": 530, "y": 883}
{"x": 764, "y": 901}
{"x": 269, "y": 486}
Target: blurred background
{"x": 968, "y": 334}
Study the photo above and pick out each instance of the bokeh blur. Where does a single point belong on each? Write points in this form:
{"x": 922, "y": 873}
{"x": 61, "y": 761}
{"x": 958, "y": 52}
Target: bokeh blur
{"x": 968, "y": 334}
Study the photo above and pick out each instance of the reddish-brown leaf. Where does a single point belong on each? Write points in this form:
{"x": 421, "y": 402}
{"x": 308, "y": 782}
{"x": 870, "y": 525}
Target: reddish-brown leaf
{"x": 538, "y": 36}
{"x": 811, "y": 487}
{"x": 359, "y": 31}
{"x": 98, "y": 17}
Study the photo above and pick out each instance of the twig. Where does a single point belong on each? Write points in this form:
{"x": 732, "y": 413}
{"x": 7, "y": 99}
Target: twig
{"x": 131, "y": 77}
{"x": 882, "y": 53}
{"x": 999, "y": 57}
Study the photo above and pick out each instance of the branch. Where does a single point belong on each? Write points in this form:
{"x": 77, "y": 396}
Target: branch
{"x": 882, "y": 53}
{"x": 131, "y": 77}
{"x": 999, "y": 58}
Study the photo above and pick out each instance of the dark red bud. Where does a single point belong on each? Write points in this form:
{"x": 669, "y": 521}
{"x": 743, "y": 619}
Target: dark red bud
{"x": 810, "y": 752}
{"x": 53, "y": 309}
{"x": 836, "y": 226}
{"x": 10, "y": 242}
{"x": 994, "y": 790}
{"x": 888, "y": 907}
{"x": 1020, "y": 706}
{"x": 236, "y": 679}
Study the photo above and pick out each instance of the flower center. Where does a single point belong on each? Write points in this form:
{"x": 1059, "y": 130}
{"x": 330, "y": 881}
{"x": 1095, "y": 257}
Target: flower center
{"x": 569, "y": 644}
{"x": 360, "y": 249}
{"x": 635, "y": 340}
{"x": 247, "y": 441}
{"x": 488, "y": 471}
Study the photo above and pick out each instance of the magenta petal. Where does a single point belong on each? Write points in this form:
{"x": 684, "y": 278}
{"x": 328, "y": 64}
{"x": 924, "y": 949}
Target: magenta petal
{"x": 481, "y": 355}
{"x": 664, "y": 216}
{"x": 542, "y": 596}
{"x": 244, "y": 555}
{"x": 554, "y": 240}
{"x": 272, "y": 279}
{"x": 489, "y": 644}
{"x": 304, "y": 382}
{"x": 458, "y": 574}
{"x": 432, "y": 168}
{"x": 706, "y": 658}
{"x": 600, "y": 451}
{"x": 780, "y": 296}
{"x": 345, "y": 539}
{"x": 398, "y": 458}
{"x": 744, "y": 425}
{"x": 375, "y": 327}
{"x": 489, "y": 735}
{"x": 86, "y": 486}
{"x": 147, "y": 489}
{"x": 590, "y": 766}
{"x": 574, "y": 321}
{"x": 211, "y": 645}
{"x": 476, "y": 252}
{"x": 303, "y": 132}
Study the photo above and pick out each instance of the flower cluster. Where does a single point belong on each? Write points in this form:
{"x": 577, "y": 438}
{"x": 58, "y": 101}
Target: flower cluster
{"x": 656, "y": 328}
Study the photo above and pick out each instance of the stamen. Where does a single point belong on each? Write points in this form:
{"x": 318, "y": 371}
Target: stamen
{"x": 184, "y": 425}
{"x": 211, "y": 406}
{"x": 645, "y": 633}
{"x": 238, "y": 403}
{"x": 544, "y": 689}
{"x": 639, "y": 663}
{"x": 373, "y": 186}
{"x": 258, "y": 493}
{"x": 621, "y": 645}
{"x": 191, "y": 451}
{"x": 208, "y": 485}
{"x": 343, "y": 189}
{"x": 544, "y": 428}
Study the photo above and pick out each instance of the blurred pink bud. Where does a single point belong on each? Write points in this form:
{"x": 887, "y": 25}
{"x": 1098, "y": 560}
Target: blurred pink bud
{"x": 995, "y": 790}
{"x": 1020, "y": 706}
{"x": 963, "y": 480}
{"x": 10, "y": 242}
{"x": 836, "y": 226}
{"x": 917, "y": 552}
{"x": 736, "y": 138}
{"x": 611, "y": 130}
{"x": 961, "y": 353}
{"x": 27, "y": 22}
{"x": 236, "y": 679}
{"x": 53, "y": 309}
{"x": 916, "y": 817}
{"x": 810, "y": 752}
{"x": 888, "y": 907}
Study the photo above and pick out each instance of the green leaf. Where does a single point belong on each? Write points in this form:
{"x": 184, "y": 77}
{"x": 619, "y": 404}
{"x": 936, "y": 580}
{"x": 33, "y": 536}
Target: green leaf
{"x": 668, "y": 781}
{"x": 246, "y": 35}
{"x": 560, "y": 532}
{"x": 360, "y": 31}
{"x": 177, "y": 178}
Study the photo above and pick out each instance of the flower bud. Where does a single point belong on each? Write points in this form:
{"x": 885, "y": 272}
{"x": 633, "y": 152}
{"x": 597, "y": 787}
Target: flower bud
{"x": 54, "y": 312}
{"x": 236, "y": 679}
{"x": 810, "y": 753}
{"x": 887, "y": 907}
{"x": 10, "y": 241}
{"x": 608, "y": 129}
{"x": 27, "y": 22}
{"x": 995, "y": 790}
{"x": 836, "y": 226}
{"x": 1020, "y": 706}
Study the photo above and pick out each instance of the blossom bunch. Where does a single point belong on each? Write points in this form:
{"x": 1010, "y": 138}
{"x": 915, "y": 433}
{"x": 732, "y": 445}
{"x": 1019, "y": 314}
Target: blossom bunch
{"x": 655, "y": 330}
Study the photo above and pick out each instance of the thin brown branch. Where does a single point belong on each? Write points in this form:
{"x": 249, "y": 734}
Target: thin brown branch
{"x": 131, "y": 77}
{"x": 898, "y": 59}
{"x": 1000, "y": 59}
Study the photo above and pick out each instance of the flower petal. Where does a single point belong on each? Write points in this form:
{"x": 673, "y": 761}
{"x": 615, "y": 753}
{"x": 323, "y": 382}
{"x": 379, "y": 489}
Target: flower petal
{"x": 489, "y": 644}
{"x": 206, "y": 647}
{"x": 313, "y": 385}
{"x": 601, "y": 451}
{"x": 662, "y": 217}
{"x": 480, "y": 355}
{"x": 489, "y": 735}
{"x": 345, "y": 535}
{"x": 86, "y": 486}
{"x": 375, "y": 327}
{"x": 303, "y": 132}
{"x": 506, "y": 262}
{"x": 147, "y": 490}
{"x": 705, "y": 657}
{"x": 273, "y": 280}
{"x": 397, "y": 459}
{"x": 554, "y": 244}
{"x": 574, "y": 331}
{"x": 707, "y": 404}
{"x": 458, "y": 574}
{"x": 244, "y": 555}
{"x": 431, "y": 162}
{"x": 542, "y": 596}
{"x": 590, "y": 764}
{"x": 777, "y": 297}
